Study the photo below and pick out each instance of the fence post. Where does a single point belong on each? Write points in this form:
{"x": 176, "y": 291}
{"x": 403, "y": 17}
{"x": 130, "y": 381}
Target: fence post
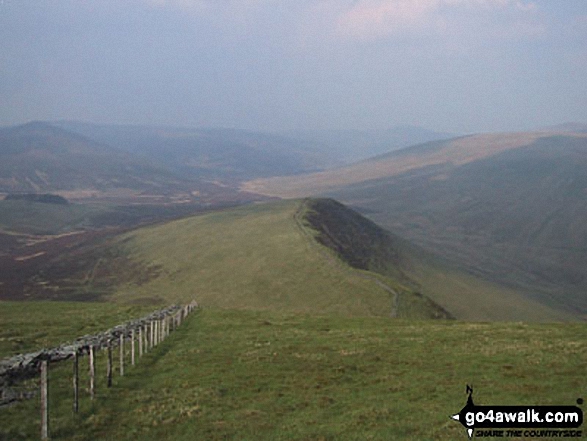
{"x": 44, "y": 402}
{"x": 140, "y": 341}
{"x": 152, "y": 343}
{"x": 92, "y": 373}
{"x": 75, "y": 381}
{"x": 121, "y": 354}
{"x": 132, "y": 347}
{"x": 156, "y": 332}
{"x": 109, "y": 365}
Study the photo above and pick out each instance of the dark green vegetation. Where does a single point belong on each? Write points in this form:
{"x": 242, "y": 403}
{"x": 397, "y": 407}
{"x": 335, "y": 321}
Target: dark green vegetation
{"x": 252, "y": 375}
{"x": 45, "y": 198}
{"x": 508, "y": 208}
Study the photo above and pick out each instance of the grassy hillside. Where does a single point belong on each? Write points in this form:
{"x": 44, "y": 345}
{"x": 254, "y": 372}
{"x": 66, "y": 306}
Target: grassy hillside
{"x": 260, "y": 375}
{"x": 452, "y": 152}
{"x": 30, "y": 326}
{"x": 255, "y": 257}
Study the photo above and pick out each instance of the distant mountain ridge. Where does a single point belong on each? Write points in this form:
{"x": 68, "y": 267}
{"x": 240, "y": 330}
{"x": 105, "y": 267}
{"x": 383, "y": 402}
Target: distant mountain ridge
{"x": 228, "y": 155}
{"x": 40, "y": 158}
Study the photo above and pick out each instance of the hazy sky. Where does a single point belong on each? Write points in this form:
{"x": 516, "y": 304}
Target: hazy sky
{"x": 452, "y": 65}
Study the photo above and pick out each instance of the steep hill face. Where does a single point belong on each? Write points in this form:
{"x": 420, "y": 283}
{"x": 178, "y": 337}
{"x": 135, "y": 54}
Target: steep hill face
{"x": 355, "y": 239}
{"x": 510, "y": 208}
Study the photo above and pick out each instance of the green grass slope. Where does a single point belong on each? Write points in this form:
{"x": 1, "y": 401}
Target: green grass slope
{"x": 255, "y": 257}
{"x": 30, "y": 326}
{"x": 264, "y": 375}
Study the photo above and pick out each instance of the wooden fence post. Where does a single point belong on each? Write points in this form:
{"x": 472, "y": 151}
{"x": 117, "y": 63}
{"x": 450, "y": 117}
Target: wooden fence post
{"x": 75, "y": 381}
{"x": 44, "y": 402}
{"x": 109, "y": 365}
{"x": 121, "y": 354}
{"x": 152, "y": 343}
{"x": 92, "y": 372}
{"x": 132, "y": 347}
{"x": 156, "y": 332}
{"x": 140, "y": 341}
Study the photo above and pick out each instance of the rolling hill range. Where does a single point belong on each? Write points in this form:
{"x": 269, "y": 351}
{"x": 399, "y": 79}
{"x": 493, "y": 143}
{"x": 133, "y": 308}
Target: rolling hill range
{"x": 40, "y": 158}
{"x": 507, "y": 207}
{"x": 225, "y": 155}
{"x": 231, "y": 155}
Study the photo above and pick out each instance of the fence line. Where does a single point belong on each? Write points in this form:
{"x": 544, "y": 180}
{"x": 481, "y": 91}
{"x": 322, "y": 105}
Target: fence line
{"x": 25, "y": 366}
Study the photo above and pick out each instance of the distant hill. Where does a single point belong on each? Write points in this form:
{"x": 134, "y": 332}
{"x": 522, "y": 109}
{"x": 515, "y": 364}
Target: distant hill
{"x": 573, "y": 127}
{"x": 348, "y": 146}
{"x": 215, "y": 154}
{"x": 40, "y": 158}
{"x": 230, "y": 155}
{"x": 508, "y": 207}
